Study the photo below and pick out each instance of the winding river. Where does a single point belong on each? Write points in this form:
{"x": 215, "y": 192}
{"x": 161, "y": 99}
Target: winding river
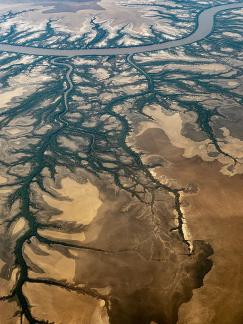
{"x": 205, "y": 25}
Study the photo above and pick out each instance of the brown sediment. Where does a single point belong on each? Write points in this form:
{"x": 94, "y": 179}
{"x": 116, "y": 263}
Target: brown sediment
{"x": 214, "y": 214}
{"x": 3, "y": 180}
{"x": 14, "y": 130}
{"x": 47, "y": 262}
{"x": 8, "y": 279}
{"x": 63, "y": 236}
{"x": 62, "y": 306}
{"x": 143, "y": 267}
{"x": 8, "y": 312}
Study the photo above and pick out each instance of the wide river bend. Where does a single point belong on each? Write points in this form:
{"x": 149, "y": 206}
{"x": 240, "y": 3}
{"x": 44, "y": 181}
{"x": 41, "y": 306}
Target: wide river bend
{"x": 205, "y": 25}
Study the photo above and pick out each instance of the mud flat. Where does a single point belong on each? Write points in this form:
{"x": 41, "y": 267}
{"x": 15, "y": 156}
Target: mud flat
{"x": 79, "y": 202}
{"x": 212, "y": 208}
{"x": 48, "y": 301}
{"x": 7, "y": 311}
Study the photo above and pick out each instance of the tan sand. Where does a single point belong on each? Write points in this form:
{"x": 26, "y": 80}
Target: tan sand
{"x": 18, "y": 227}
{"x": 7, "y": 285}
{"x": 172, "y": 125}
{"x": 8, "y": 95}
{"x": 14, "y": 130}
{"x": 55, "y": 264}
{"x": 68, "y": 143}
{"x": 197, "y": 68}
{"x": 61, "y": 306}
{"x": 79, "y": 237}
{"x": 7, "y": 312}
{"x": 213, "y": 214}
{"x": 3, "y": 180}
{"x": 1, "y": 264}
{"x": 82, "y": 204}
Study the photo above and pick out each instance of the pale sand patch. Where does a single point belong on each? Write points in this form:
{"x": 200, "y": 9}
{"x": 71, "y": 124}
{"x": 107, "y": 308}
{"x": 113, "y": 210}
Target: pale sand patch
{"x": 197, "y": 68}
{"x": 172, "y": 126}
{"x": 55, "y": 264}
{"x": 168, "y": 29}
{"x": 8, "y": 95}
{"x": 84, "y": 61}
{"x": 233, "y": 83}
{"x": 22, "y": 85}
{"x": 31, "y": 81}
{"x": 87, "y": 90}
{"x": 227, "y": 49}
{"x": 13, "y": 131}
{"x": 62, "y": 236}
{"x": 1, "y": 264}
{"x": 61, "y": 306}
{"x": 121, "y": 79}
{"x": 22, "y": 121}
{"x": 42, "y": 130}
{"x": 163, "y": 179}
{"x": 167, "y": 55}
{"x": 82, "y": 204}
{"x": 104, "y": 291}
{"x": 5, "y": 191}
{"x": 133, "y": 89}
{"x": 128, "y": 41}
{"x": 3, "y": 180}
{"x": 90, "y": 123}
{"x": 18, "y": 226}
{"x": 232, "y": 145}
{"x": 19, "y": 130}
{"x": 200, "y": 98}
{"x": 172, "y": 183}
{"x": 66, "y": 142}
{"x": 185, "y": 227}
{"x": 232, "y": 35}
{"x": 6, "y": 286}
{"x": 108, "y": 96}
{"x": 100, "y": 73}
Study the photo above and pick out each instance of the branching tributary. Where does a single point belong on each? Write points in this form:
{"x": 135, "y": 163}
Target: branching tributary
{"x": 23, "y": 193}
{"x": 93, "y": 163}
